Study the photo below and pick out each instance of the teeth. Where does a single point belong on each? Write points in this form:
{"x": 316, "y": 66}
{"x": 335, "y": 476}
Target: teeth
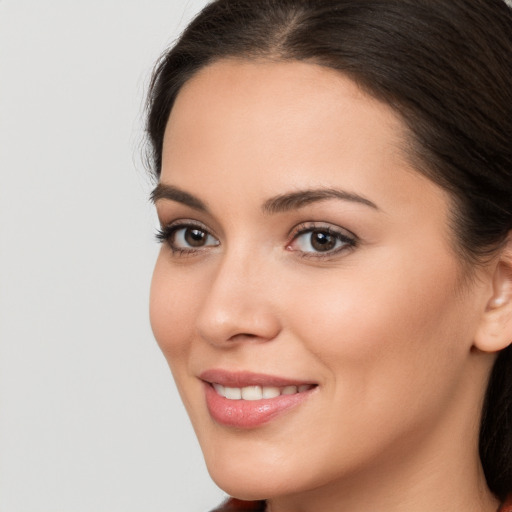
{"x": 289, "y": 390}
{"x": 258, "y": 392}
{"x": 252, "y": 393}
{"x": 270, "y": 392}
{"x": 219, "y": 388}
{"x": 233, "y": 393}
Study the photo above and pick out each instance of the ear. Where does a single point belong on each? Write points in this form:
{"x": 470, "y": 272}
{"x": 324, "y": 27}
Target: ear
{"x": 495, "y": 330}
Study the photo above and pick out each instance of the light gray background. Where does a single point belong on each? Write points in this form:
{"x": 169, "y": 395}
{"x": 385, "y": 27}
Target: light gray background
{"x": 89, "y": 418}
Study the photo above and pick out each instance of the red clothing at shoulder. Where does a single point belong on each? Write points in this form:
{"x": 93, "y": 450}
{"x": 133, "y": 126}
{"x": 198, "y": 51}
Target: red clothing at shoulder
{"x": 507, "y": 506}
{"x": 234, "y": 505}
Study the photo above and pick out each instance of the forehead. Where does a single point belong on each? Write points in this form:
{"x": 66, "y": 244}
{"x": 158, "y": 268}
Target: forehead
{"x": 277, "y": 99}
{"x": 265, "y": 126}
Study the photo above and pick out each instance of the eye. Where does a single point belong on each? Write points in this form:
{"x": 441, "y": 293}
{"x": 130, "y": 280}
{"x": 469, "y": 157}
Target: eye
{"x": 192, "y": 237}
{"x": 321, "y": 240}
{"x": 184, "y": 237}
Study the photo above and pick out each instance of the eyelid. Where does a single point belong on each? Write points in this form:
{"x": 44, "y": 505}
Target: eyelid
{"x": 347, "y": 237}
{"x": 319, "y": 225}
{"x": 186, "y": 222}
{"x": 166, "y": 231}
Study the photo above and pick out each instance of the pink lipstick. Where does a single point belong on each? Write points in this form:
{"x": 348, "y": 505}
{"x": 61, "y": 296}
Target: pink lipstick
{"x": 248, "y": 400}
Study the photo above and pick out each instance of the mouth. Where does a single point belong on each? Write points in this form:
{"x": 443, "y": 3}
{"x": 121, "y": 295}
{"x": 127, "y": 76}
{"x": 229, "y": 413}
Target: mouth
{"x": 253, "y": 393}
{"x": 248, "y": 400}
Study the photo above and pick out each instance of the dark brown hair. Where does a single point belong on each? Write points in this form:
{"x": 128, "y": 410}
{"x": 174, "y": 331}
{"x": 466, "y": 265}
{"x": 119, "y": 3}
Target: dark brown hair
{"x": 445, "y": 66}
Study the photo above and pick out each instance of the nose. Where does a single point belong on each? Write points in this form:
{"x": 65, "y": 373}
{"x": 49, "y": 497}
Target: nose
{"x": 238, "y": 305}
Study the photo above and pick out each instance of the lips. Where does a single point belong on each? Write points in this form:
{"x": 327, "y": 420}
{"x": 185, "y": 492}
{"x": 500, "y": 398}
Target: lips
{"x": 248, "y": 400}
{"x": 242, "y": 379}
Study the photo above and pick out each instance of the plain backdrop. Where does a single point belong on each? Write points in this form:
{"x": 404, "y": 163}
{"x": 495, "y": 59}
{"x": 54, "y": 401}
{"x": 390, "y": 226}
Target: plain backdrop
{"x": 89, "y": 417}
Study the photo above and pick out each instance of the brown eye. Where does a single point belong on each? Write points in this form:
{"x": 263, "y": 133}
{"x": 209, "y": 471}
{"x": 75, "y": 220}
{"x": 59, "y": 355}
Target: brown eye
{"x": 319, "y": 240}
{"x": 195, "y": 237}
{"x": 187, "y": 238}
{"x": 322, "y": 241}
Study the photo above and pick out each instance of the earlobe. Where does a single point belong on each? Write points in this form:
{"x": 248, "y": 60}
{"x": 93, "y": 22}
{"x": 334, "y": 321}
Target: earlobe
{"x": 495, "y": 330}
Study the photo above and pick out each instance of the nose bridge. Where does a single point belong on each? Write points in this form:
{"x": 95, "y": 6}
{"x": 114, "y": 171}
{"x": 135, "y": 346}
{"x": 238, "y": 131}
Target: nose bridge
{"x": 238, "y": 304}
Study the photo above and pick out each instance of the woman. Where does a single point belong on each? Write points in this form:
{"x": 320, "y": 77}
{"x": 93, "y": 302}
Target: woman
{"x": 334, "y": 289}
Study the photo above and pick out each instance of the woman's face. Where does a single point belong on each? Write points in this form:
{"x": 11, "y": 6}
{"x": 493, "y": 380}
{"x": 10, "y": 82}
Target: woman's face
{"x": 307, "y": 295}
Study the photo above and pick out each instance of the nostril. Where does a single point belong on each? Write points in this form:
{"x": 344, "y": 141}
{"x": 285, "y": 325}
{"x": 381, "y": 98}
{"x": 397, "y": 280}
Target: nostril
{"x": 244, "y": 335}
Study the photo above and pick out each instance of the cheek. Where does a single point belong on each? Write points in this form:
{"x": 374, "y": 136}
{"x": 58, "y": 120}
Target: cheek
{"x": 393, "y": 327}
{"x": 172, "y": 303}
{"x": 174, "y": 299}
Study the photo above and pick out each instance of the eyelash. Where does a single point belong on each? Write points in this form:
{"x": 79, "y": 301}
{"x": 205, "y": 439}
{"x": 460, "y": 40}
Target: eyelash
{"x": 347, "y": 239}
{"x": 166, "y": 234}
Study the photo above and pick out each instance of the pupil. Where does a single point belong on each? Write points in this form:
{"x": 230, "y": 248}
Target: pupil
{"x": 195, "y": 237}
{"x": 322, "y": 241}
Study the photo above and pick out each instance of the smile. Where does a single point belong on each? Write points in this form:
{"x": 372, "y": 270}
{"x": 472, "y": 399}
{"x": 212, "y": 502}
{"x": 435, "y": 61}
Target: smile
{"x": 248, "y": 400}
{"x": 254, "y": 393}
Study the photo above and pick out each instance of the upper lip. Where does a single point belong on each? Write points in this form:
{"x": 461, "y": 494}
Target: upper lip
{"x": 242, "y": 379}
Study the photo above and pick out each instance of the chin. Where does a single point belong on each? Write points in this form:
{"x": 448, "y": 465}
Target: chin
{"x": 249, "y": 483}
{"x": 256, "y": 474}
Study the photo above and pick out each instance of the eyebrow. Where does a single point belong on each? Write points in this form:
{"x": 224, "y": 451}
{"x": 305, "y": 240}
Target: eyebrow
{"x": 278, "y": 204}
{"x": 163, "y": 191}
{"x": 301, "y": 198}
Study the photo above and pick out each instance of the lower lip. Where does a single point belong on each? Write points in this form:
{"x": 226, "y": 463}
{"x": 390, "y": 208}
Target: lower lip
{"x": 249, "y": 413}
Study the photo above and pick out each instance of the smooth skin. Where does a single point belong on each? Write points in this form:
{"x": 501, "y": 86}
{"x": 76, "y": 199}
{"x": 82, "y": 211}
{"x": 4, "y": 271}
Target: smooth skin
{"x": 383, "y": 317}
